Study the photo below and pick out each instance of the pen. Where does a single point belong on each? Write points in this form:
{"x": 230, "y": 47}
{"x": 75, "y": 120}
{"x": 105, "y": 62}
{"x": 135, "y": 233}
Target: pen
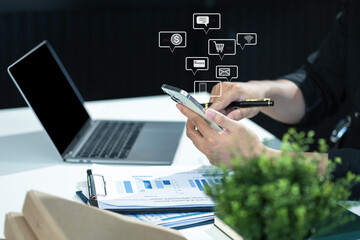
{"x": 248, "y": 103}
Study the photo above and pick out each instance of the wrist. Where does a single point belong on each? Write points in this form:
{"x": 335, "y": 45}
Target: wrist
{"x": 262, "y": 88}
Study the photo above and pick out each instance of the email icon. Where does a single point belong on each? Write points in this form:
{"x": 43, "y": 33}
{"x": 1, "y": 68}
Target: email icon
{"x": 227, "y": 72}
{"x": 224, "y": 72}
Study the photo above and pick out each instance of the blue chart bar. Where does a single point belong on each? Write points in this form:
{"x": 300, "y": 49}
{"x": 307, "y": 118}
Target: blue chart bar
{"x": 211, "y": 181}
{"x": 199, "y": 185}
{"x": 147, "y": 184}
{"x": 204, "y": 182}
{"x": 128, "y": 188}
{"x": 119, "y": 187}
{"x": 191, "y": 183}
{"x": 159, "y": 184}
{"x": 166, "y": 182}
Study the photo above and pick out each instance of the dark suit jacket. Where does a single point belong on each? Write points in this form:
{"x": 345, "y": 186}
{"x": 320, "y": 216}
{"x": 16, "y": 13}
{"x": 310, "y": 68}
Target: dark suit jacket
{"x": 330, "y": 83}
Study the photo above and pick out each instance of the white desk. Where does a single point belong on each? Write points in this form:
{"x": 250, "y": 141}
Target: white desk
{"x": 29, "y": 161}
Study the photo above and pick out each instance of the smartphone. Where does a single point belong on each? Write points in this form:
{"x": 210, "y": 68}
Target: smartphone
{"x": 181, "y": 96}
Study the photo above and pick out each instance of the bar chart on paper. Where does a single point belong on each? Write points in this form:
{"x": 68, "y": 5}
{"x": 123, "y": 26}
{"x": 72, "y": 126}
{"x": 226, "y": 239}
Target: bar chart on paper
{"x": 139, "y": 185}
{"x": 163, "y": 188}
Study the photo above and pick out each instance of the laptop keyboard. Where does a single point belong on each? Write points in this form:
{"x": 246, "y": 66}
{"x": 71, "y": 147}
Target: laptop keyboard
{"x": 111, "y": 140}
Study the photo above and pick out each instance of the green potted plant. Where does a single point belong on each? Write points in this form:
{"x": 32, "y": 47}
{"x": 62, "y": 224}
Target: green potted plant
{"x": 280, "y": 198}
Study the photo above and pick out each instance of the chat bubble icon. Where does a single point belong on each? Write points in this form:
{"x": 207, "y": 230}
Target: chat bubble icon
{"x": 221, "y": 47}
{"x": 202, "y": 20}
{"x": 195, "y": 64}
{"x": 205, "y": 86}
{"x": 227, "y": 72}
{"x": 206, "y": 21}
{"x": 246, "y": 39}
{"x": 172, "y": 39}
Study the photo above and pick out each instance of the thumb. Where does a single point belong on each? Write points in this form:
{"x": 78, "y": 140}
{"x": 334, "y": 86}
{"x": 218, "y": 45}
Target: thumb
{"x": 220, "y": 103}
{"x": 220, "y": 119}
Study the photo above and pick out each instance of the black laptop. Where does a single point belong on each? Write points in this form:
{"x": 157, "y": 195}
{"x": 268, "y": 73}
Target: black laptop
{"x": 49, "y": 91}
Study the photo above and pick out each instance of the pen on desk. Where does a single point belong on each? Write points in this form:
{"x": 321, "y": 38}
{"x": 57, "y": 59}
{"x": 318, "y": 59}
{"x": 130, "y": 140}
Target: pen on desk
{"x": 248, "y": 103}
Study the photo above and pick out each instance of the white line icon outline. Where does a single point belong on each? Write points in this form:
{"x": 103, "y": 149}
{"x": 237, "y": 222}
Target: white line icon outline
{"x": 200, "y": 69}
{"x": 205, "y": 82}
{"x": 206, "y": 30}
{"x": 226, "y": 66}
{"x": 174, "y": 46}
{"x": 221, "y": 54}
{"x": 246, "y": 44}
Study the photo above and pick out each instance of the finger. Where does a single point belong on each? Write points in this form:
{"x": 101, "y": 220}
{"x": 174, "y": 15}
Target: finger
{"x": 221, "y": 120}
{"x": 227, "y": 95}
{"x": 239, "y": 114}
{"x": 191, "y": 131}
{"x": 196, "y": 137}
{"x": 235, "y": 115}
{"x": 197, "y": 120}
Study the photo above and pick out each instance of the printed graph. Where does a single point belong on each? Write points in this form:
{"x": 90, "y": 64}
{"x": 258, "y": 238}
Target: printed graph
{"x": 135, "y": 186}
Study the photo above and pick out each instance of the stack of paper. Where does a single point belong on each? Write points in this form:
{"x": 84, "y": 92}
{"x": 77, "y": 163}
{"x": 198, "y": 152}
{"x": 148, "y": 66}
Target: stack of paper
{"x": 146, "y": 189}
{"x": 176, "y": 220}
{"x": 171, "y": 220}
{"x": 164, "y": 195}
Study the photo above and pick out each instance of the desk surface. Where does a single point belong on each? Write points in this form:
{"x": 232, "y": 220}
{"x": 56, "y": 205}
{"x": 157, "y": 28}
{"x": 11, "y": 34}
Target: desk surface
{"x": 28, "y": 159}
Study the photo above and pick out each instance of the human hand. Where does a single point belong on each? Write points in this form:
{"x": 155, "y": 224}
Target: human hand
{"x": 219, "y": 147}
{"x": 234, "y": 92}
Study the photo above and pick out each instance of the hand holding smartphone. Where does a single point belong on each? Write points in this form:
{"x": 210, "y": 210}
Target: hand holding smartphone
{"x": 183, "y": 97}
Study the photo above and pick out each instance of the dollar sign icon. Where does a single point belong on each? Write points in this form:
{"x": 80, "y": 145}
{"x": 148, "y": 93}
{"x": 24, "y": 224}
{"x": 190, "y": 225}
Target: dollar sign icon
{"x": 176, "y": 39}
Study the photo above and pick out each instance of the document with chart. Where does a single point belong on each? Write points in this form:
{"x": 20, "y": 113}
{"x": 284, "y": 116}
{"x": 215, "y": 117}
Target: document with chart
{"x": 154, "y": 188}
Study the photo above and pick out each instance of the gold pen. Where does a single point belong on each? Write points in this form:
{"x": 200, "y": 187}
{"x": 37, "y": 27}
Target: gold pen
{"x": 248, "y": 103}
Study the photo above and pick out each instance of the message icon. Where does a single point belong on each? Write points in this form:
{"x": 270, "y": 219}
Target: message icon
{"x": 206, "y": 21}
{"x": 221, "y": 47}
{"x": 202, "y": 20}
{"x": 246, "y": 39}
{"x": 203, "y": 86}
{"x": 172, "y": 39}
{"x": 228, "y": 72}
{"x": 195, "y": 64}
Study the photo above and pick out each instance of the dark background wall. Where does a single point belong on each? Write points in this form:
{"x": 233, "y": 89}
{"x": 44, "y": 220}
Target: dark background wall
{"x": 110, "y": 47}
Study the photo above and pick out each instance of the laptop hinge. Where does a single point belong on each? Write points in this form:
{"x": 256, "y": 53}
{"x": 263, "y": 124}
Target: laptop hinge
{"x": 69, "y": 151}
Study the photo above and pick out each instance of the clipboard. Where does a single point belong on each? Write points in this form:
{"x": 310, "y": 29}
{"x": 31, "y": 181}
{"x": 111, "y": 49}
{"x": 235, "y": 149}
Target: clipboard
{"x": 94, "y": 180}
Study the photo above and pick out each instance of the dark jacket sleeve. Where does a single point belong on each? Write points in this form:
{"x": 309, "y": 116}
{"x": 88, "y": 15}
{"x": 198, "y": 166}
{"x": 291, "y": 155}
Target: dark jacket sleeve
{"x": 350, "y": 161}
{"x": 322, "y": 78}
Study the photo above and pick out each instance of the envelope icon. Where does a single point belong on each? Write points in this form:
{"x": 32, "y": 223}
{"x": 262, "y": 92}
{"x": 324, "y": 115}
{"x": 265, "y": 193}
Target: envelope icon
{"x": 224, "y": 72}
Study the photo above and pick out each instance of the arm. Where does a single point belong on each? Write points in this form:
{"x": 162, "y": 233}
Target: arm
{"x": 234, "y": 139}
{"x": 289, "y": 102}
{"x": 308, "y": 95}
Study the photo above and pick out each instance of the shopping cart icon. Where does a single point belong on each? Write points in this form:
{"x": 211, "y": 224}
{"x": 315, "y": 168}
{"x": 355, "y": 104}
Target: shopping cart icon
{"x": 219, "y": 46}
{"x": 222, "y": 47}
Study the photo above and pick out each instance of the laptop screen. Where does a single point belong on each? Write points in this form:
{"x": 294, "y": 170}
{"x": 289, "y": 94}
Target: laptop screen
{"x": 51, "y": 93}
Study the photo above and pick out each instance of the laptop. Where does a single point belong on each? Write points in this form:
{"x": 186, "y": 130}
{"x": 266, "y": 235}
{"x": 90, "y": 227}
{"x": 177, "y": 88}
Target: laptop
{"x": 49, "y": 91}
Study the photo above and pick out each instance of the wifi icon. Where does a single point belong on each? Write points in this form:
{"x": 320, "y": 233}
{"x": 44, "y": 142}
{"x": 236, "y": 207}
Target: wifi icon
{"x": 246, "y": 39}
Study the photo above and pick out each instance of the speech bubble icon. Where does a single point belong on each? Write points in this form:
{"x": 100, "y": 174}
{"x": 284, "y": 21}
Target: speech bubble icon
{"x": 206, "y": 21}
{"x": 227, "y": 72}
{"x": 246, "y": 39}
{"x": 172, "y": 39}
{"x": 221, "y": 47}
{"x": 195, "y": 64}
{"x": 202, "y": 20}
{"x": 200, "y": 87}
